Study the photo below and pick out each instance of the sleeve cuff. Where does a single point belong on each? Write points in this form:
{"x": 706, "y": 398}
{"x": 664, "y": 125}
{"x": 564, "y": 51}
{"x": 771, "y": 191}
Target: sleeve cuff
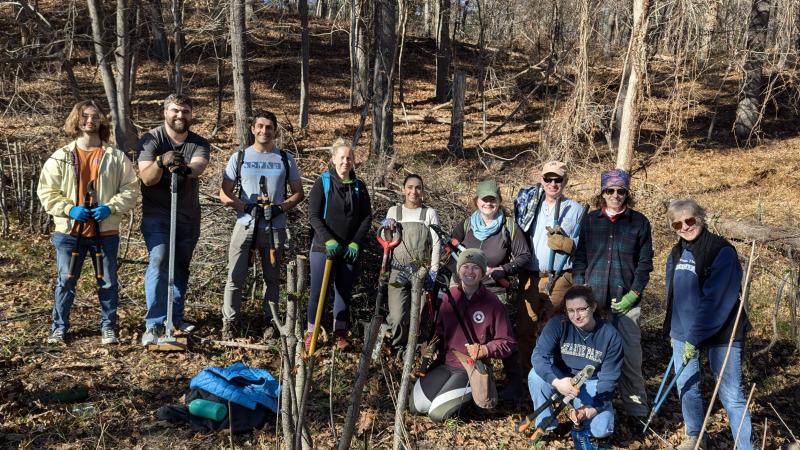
{"x": 66, "y": 209}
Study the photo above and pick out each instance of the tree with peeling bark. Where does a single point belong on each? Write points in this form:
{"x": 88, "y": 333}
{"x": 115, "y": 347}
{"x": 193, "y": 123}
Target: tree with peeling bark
{"x": 241, "y": 73}
{"x": 637, "y": 59}
{"x": 748, "y": 110}
{"x": 383, "y": 77}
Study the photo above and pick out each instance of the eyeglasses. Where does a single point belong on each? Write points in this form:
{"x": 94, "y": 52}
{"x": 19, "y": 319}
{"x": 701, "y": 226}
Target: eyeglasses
{"x": 690, "y": 222}
{"x": 557, "y": 180}
{"x": 578, "y": 311}
{"x": 611, "y": 191}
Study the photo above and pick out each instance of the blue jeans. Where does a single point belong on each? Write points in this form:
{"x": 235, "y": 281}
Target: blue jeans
{"x": 601, "y": 425}
{"x": 64, "y": 289}
{"x": 156, "y": 236}
{"x": 344, "y": 278}
{"x": 730, "y": 391}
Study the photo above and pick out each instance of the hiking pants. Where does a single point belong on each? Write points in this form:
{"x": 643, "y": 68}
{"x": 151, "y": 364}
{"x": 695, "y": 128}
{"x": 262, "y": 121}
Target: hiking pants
{"x": 238, "y": 256}
{"x": 344, "y": 276}
{"x": 534, "y": 308}
{"x": 730, "y": 391}
{"x": 631, "y": 382}
{"x": 156, "y": 237}
{"x": 441, "y": 393}
{"x": 600, "y": 426}
{"x": 64, "y": 288}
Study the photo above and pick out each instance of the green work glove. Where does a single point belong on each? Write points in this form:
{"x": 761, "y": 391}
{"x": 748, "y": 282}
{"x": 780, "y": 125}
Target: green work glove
{"x": 689, "y": 352}
{"x": 332, "y": 248}
{"x": 624, "y": 304}
{"x": 351, "y": 253}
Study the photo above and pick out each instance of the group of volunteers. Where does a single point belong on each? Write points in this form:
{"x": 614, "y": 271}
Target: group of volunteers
{"x": 580, "y": 274}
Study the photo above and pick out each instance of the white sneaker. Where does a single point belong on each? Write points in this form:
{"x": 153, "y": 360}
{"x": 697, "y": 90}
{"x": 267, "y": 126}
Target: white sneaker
{"x": 689, "y": 442}
{"x": 186, "y": 327}
{"x": 150, "y": 336}
{"x": 56, "y": 337}
{"x": 108, "y": 336}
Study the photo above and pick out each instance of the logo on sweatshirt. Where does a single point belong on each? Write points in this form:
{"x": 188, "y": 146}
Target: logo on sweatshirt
{"x": 478, "y": 317}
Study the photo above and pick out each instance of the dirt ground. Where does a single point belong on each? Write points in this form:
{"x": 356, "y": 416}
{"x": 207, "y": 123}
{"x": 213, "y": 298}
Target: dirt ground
{"x": 127, "y": 384}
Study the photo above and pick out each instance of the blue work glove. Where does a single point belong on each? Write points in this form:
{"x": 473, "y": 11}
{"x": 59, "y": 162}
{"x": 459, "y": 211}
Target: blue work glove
{"x": 79, "y": 213}
{"x": 624, "y": 304}
{"x": 351, "y": 253}
{"x": 689, "y": 352}
{"x": 100, "y": 212}
{"x": 332, "y": 248}
{"x": 430, "y": 280}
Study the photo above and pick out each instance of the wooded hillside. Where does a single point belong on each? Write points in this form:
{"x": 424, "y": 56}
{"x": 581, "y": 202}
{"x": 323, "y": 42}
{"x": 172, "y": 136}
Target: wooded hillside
{"x": 695, "y": 98}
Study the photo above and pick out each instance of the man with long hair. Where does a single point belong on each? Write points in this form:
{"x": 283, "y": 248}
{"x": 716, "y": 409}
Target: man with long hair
{"x": 170, "y": 148}
{"x": 88, "y": 168}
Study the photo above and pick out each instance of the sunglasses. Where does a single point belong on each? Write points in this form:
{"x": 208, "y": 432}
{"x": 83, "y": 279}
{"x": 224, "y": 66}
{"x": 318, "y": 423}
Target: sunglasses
{"x": 557, "y": 180}
{"x": 690, "y": 222}
{"x": 611, "y": 191}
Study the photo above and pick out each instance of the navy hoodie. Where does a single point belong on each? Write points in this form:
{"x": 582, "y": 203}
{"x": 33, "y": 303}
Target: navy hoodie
{"x": 563, "y": 349}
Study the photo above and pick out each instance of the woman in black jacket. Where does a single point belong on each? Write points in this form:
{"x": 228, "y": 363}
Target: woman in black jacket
{"x": 340, "y": 214}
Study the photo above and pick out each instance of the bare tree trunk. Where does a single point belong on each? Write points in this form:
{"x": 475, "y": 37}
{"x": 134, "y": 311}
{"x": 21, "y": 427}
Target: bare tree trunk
{"x": 241, "y": 73}
{"x": 304, "y": 70}
{"x": 747, "y": 111}
{"x": 456, "y": 142}
{"x": 404, "y": 5}
{"x": 408, "y": 360}
{"x": 383, "y": 77}
{"x": 122, "y": 54}
{"x": 359, "y": 51}
{"x": 101, "y": 52}
{"x": 482, "y": 64}
{"x": 248, "y": 10}
{"x": 637, "y": 56}
{"x": 159, "y": 46}
{"x": 708, "y": 31}
{"x": 443, "y": 52}
{"x": 426, "y": 17}
{"x": 177, "y": 17}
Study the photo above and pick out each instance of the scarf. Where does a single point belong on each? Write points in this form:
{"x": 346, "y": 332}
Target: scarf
{"x": 480, "y": 230}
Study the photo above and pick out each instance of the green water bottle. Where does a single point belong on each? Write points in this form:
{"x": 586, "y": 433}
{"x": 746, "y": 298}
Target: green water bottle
{"x": 207, "y": 409}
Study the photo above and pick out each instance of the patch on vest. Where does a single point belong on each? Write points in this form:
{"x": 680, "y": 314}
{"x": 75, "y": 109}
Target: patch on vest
{"x": 478, "y": 317}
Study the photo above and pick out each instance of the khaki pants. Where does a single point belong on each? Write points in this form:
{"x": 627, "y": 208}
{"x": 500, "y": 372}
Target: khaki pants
{"x": 534, "y": 308}
{"x": 238, "y": 255}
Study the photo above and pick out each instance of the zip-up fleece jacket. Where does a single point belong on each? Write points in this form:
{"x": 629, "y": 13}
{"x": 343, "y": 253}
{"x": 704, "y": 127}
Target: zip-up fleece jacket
{"x": 349, "y": 212}
{"x": 116, "y": 186}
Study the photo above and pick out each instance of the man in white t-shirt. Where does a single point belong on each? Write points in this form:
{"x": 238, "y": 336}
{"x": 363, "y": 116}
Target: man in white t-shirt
{"x": 243, "y": 172}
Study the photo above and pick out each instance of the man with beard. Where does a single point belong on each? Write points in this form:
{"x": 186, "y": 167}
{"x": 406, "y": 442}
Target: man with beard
{"x": 170, "y": 148}
{"x": 241, "y": 191}
{"x": 87, "y": 166}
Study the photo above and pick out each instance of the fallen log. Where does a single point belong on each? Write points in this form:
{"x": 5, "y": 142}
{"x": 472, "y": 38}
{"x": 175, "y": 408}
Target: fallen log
{"x": 745, "y": 230}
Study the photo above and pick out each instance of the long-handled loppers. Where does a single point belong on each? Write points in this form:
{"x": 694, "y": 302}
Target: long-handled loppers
{"x": 555, "y": 399}
{"x": 659, "y": 400}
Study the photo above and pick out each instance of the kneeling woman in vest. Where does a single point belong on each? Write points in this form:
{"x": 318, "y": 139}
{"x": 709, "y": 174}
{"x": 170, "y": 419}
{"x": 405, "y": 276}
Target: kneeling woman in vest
{"x": 703, "y": 281}
{"x": 419, "y": 246}
{"x": 493, "y": 230}
{"x": 570, "y": 341}
{"x": 340, "y": 215}
{"x": 446, "y": 387}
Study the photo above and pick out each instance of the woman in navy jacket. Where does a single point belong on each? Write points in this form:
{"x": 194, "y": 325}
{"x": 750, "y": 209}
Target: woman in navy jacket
{"x": 703, "y": 281}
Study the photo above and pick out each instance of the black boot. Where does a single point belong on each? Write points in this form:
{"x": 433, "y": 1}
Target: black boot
{"x": 514, "y": 392}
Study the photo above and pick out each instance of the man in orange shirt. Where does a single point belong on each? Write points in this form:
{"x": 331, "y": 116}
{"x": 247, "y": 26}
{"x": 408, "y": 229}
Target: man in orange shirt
{"x": 63, "y": 185}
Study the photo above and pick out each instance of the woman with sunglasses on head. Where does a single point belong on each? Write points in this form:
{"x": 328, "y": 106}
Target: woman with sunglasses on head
{"x": 615, "y": 257}
{"x": 571, "y": 340}
{"x": 419, "y": 245}
{"x": 491, "y": 229}
{"x": 703, "y": 282}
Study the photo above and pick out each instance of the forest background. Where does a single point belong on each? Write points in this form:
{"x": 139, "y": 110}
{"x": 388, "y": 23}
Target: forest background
{"x": 696, "y": 98}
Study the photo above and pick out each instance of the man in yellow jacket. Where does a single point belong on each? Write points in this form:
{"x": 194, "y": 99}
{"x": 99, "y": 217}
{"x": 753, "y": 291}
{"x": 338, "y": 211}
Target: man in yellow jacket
{"x": 86, "y": 165}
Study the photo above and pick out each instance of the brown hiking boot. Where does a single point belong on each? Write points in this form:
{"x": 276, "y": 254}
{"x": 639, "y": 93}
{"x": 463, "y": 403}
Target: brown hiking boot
{"x": 340, "y": 339}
